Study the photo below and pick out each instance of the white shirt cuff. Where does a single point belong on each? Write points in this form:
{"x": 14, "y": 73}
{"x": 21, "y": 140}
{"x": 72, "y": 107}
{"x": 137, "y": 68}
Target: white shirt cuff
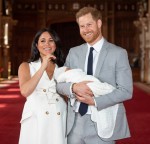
{"x": 71, "y": 92}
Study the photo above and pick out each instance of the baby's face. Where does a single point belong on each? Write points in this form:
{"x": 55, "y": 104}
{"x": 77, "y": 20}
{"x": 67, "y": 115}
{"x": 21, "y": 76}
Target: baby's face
{"x": 67, "y": 69}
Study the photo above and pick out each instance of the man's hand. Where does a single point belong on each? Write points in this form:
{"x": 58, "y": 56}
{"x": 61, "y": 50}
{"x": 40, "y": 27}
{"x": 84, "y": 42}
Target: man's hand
{"x": 86, "y": 99}
{"x": 83, "y": 92}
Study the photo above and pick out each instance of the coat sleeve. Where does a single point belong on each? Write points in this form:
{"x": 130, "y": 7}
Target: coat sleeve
{"x": 65, "y": 88}
{"x": 123, "y": 81}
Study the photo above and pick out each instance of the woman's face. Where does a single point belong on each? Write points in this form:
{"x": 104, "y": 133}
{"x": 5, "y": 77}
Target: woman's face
{"x": 46, "y": 44}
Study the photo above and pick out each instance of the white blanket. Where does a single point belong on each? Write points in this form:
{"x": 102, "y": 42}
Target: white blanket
{"x": 105, "y": 118}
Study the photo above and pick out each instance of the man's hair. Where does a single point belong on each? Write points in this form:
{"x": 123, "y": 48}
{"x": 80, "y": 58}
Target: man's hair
{"x": 96, "y": 14}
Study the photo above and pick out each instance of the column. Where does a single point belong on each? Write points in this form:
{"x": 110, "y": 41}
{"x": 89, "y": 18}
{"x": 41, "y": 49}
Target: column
{"x": 143, "y": 25}
{"x": 0, "y": 38}
{"x": 147, "y": 47}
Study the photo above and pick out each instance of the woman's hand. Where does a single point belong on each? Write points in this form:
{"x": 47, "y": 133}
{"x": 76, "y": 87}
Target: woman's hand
{"x": 46, "y": 59}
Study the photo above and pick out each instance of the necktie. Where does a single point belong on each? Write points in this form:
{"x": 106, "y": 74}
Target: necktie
{"x": 83, "y": 106}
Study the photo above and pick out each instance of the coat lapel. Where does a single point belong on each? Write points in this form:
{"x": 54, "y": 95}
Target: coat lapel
{"x": 101, "y": 58}
{"x": 84, "y": 49}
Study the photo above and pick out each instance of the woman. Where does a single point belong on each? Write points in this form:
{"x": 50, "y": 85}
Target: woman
{"x": 44, "y": 114}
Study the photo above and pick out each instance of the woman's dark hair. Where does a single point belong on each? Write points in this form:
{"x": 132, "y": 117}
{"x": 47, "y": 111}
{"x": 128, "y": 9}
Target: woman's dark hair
{"x": 35, "y": 54}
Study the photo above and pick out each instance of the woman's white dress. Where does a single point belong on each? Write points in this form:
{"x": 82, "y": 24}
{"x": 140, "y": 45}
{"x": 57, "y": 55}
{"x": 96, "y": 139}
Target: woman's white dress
{"x": 44, "y": 114}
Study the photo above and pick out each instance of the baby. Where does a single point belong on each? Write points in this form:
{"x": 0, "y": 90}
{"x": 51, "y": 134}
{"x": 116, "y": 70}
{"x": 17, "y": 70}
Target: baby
{"x": 65, "y": 74}
{"x": 106, "y": 118}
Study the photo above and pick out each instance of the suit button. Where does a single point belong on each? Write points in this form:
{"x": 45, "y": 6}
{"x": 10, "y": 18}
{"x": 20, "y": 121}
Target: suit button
{"x": 58, "y": 113}
{"x": 57, "y": 99}
{"x": 44, "y": 90}
{"x": 47, "y": 112}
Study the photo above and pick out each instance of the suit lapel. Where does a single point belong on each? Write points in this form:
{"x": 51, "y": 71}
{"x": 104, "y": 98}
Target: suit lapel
{"x": 101, "y": 58}
{"x": 84, "y": 49}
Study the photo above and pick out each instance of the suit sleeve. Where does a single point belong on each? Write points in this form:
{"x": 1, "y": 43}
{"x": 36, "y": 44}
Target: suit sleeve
{"x": 123, "y": 81}
{"x": 65, "y": 88}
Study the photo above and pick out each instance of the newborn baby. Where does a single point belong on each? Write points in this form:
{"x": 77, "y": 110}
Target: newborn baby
{"x": 105, "y": 118}
{"x": 64, "y": 74}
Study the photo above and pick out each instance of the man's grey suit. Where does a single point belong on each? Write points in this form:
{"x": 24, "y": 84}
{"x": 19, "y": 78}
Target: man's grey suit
{"x": 112, "y": 67}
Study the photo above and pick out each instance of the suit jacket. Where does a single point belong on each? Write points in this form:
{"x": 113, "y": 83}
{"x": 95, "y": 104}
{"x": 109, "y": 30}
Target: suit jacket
{"x": 112, "y": 67}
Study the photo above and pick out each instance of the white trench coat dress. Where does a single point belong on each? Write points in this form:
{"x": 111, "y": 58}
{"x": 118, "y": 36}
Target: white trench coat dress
{"x": 44, "y": 114}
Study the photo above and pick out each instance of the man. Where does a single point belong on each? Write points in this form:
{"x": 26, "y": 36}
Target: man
{"x": 107, "y": 62}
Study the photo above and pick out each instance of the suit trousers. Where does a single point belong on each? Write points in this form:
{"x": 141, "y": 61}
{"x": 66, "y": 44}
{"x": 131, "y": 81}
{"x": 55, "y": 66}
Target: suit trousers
{"x": 84, "y": 131}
